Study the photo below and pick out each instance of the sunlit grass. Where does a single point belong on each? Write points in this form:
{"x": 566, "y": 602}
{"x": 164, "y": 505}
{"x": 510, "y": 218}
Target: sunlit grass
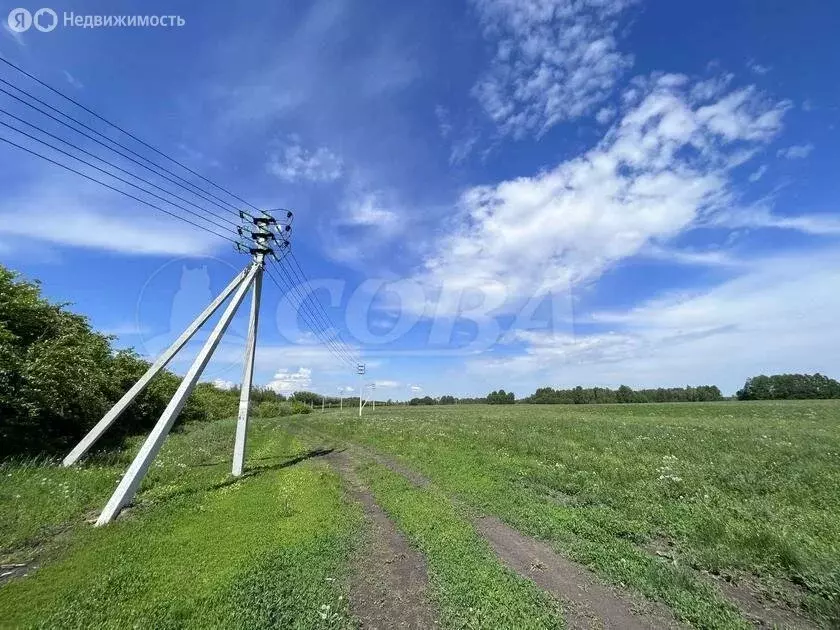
{"x": 733, "y": 488}
{"x": 200, "y": 549}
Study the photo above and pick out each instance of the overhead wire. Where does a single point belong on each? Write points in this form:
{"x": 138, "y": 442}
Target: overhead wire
{"x": 310, "y": 323}
{"x": 305, "y": 311}
{"x": 129, "y": 134}
{"x": 328, "y": 339}
{"x": 93, "y": 179}
{"x": 112, "y": 165}
{"x": 230, "y": 208}
{"x": 302, "y": 279}
{"x": 310, "y": 308}
{"x": 117, "y": 177}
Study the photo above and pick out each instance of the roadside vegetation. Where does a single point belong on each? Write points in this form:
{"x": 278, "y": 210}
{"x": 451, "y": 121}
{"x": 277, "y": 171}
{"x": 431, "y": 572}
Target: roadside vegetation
{"x": 199, "y": 549}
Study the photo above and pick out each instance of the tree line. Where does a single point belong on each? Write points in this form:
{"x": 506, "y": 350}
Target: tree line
{"x": 789, "y": 387}
{"x": 624, "y": 394}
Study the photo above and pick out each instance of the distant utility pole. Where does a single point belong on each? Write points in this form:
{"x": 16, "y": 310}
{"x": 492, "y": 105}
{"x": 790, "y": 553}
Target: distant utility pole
{"x": 341, "y": 399}
{"x": 268, "y": 239}
{"x": 373, "y": 395}
{"x": 360, "y": 370}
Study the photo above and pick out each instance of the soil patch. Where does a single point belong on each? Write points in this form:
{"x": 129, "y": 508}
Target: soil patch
{"x": 590, "y": 603}
{"x": 389, "y": 584}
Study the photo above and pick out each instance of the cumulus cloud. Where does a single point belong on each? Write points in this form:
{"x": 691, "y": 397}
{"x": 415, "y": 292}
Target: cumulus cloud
{"x": 554, "y": 60}
{"x": 221, "y": 383}
{"x": 296, "y": 163}
{"x": 286, "y": 381}
{"x": 663, "y": 168}
{"x": 369, "y": 210}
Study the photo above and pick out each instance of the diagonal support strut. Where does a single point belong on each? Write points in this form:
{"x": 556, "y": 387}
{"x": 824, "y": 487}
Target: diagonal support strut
{"x": 137, "y": 470}
{"x": 116, "y": 411}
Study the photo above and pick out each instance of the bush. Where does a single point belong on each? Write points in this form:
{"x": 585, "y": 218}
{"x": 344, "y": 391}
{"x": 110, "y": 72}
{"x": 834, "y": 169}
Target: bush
{"x": 299, "y": 407}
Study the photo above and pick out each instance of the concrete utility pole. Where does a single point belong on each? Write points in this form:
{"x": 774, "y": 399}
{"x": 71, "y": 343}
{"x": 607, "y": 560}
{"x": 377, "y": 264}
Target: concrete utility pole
{"x": 260, "y": 235}
{"x": 266, "y": 241}
{"x": 360, "y": 370}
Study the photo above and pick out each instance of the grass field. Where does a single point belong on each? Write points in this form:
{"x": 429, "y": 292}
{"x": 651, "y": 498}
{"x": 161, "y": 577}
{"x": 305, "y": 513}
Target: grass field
{"x": 672, "y": 502}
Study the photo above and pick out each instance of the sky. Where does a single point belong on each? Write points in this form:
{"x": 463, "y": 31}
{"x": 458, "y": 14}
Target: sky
{"x": 487, "y": 194}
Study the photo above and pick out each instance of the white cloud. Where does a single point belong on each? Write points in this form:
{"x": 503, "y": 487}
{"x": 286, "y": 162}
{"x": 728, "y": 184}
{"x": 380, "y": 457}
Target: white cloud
{"x": 387, "y": 384}
{"x": 73, "y": 80}
{"x": 759, "y": 217}
{"x": 415, "y": 388}
{"x": 220, "y": 383}
{"x": 444, "y": 122}
{"x": 90, "y": 219}
{"x": 298, "y": 164}
{"x": 757, "y": 68}
{"x": 369, "y": 210}
{"x": 554, "y": 60}
{"x": 286, "y": 381}
{"x": 682, "y": 339}
{"x": 18, "y": 37}
{"x": 605, "y": 115}
{"x": 796, "y": 152}
{"x": 662, "y": 169}
{"x": 758, "y": 173}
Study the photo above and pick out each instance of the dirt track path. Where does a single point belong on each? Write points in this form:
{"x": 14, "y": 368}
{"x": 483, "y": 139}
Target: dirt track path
{"x": 389, "y": 584}
{"x": 589, "y": 603}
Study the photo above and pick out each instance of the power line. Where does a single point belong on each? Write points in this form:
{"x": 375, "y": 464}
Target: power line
{"x": 231, "y": 208}
{"x": 130, "y": 135}
{"x": 101, "y": 170}
{"x": 314, "y": 322}
{"x": 112, "y": 165}
{"x": 310, "y": 321}
{"x": 302, "y": 279}
{"x": 93, "y": 179}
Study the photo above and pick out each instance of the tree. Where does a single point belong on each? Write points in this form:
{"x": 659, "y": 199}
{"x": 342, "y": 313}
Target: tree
{"x": 789, "y": 386}
{"x": 501, "y": 398}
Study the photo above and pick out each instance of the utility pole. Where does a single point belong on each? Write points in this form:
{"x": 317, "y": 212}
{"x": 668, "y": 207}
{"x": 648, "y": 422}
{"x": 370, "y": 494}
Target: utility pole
{"x": 267, "y": 239}
{"x": 360, "y": 370}
{"x": 373, "y": 395}
{"x": 341, "y": 399}
{"x": 260, "y": 236}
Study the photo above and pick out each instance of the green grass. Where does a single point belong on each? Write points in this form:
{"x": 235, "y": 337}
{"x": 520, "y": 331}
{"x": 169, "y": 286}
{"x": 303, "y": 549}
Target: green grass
{"x": 744, "y": 489}
{"x": 199, "y": 549}
{"x": 738, "y": 489}
{"x": 470, "y": 586}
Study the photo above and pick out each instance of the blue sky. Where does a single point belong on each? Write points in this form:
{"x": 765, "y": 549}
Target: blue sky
{"x": 499, "y": 194}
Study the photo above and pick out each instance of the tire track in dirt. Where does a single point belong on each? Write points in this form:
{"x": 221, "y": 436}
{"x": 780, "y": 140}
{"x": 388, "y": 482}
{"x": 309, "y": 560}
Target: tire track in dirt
{"x": 388, "y": 588}
{"x": 589, "y": 604}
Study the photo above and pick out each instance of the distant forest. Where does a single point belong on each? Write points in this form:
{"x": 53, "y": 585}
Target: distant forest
{"x": 776, "y": 387}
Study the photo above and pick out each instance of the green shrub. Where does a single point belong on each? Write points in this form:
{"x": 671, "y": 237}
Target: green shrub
{"x": 299, "y": 407}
